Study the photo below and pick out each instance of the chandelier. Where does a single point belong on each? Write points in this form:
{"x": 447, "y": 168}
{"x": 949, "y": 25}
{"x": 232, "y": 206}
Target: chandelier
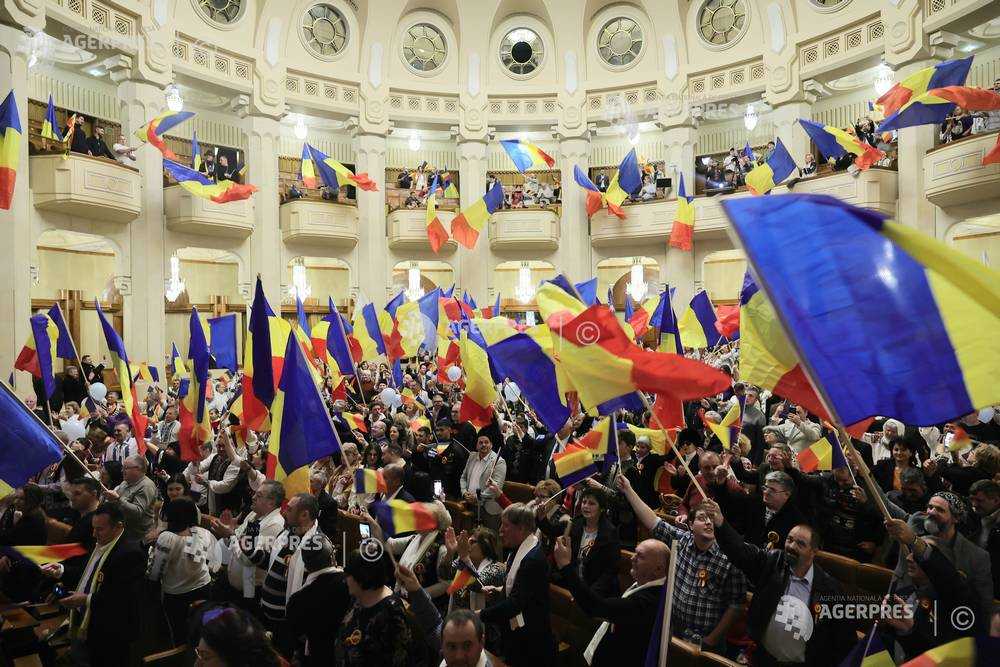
{"x": 174, "y": 100}
{"x": 174, "y": 285}
{"x": 300, "y": 286}
{"x": 413, "y": 289}
{"x": 525, "y": 291}
{"x": 750, "y": 118}
{"x": 883, "y": 80}
{"x": 637, "y": 287}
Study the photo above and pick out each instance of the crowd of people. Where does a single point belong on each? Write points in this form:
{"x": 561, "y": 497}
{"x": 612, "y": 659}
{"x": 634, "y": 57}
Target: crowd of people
{"x": 215, "y": 555}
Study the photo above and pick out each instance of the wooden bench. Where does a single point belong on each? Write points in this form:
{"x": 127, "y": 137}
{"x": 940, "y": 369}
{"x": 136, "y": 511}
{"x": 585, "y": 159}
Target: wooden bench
{"x": 518, "y": 492}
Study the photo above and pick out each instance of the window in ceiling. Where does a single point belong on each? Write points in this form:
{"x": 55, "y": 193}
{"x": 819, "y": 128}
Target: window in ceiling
{"x": 324, "y": 31}
{"x": 521, "y": 52}
{"x": 424, "y": 48}
{"x": 723, "y": 22}
{"x": 223, "y": 12}
{"x": 620, "y": 42}
{"x": 829, "y": 5}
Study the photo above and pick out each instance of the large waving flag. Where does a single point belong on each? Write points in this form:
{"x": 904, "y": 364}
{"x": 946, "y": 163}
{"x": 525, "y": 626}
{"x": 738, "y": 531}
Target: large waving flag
{"x": 307, "y": 168}
{"x": 602, "y": 439}
{"x": 664, "y": 320}
{"x": 641, "y": 315}
{"x": 177, "y": 362}
{"x": 152, "y": 131}
{"x": 587, "y": 291}
{"x": 480, "y": 392}
{"x": 682, "y": 233}
{"x": 222, "y": 341}
{"x": 119, "y": 361}
{"x": 889, "y": 322}
{"x": 263, "y": 359}
{"x": 626, "y": 180}
{"x": 466, "y": 226}
{"x": 27, "y": 446}
{"x": 202, "y": 186}
{"x": 39, "y": 352}
{"x": 978, "y": 651}
{"x": 947, "y": 73}
{"x": 301, "y": 430}
{"x": 728, "y": 430}
{"x": 824, "y": 454}
{"x": 339, "y": 349}
{"x": 834, "y": 142}
{"x": 574, "y": 464}
{"x": 764, "y": 177}
{"x": 335, "y": 175}
{"x": 10, "y": 149}
{"x": 595, "y": 198}
{"x": 65, "y": 348}
{"x": 526, "y": 155}
{"x": 146, "y": 373}
{"x": 697, "y": 324}
{"x": 436, "y": 233}
{"x": 50, "y": 126}
{"x": 196, "y": 428}
{"x": 936, "y": 104}
{"x": 368, "y": 330}
{"x": 529, "y": 360}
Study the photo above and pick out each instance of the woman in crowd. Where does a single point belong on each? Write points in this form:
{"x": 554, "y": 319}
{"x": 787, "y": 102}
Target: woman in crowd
{"x": 176, "y": 486}
{"x": 342, "y": 479}
{"x": 888, "y": 472}
{"x": 479, "y": 553}
{"x": 595, "y": 544}
{"x": 231, "y": 637}
{"x": 551, "y": 516}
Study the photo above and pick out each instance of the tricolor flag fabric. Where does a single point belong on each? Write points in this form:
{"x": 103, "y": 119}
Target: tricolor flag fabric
{"x": 824, "y": 454}
{"x": 764, "y": 177}
{"x": 935, "y": 105}
{"x": 10, "y": 149}
{"x": 152, "y": 131}
{"x": 26, "y": 445}
{"x": 626, "y": 180}
{"x": 664, "y": 320}
{"x": 947, "y": 73}
{"x": 368, "y": 327}
{"x": 450, "y": 190}
{"x": 526, "y": 155}
{"x": 748, "y": 152}
{"x": 480, "y": 391}
{"x": 222, "y": 341}
{"x": 527, "y": 359}
{"x": 176, "y": 362}
{"x": 307, "y": 168}
{"x": 263, "y": 359}
{"x": 354, "y": 422}
{"x": 437, "y": 235}
{"x": 993, "y": 156}
{"x": 682, "y": 233}
{"x": 202, "y": 186}
{"x": 834, "y": 142}
{"x": 869, "y": 652}
{"x": 728, "y": 430}
{"x": 728, "y": 321}
{"x": 697, "y": 324}
{"x": 195, "y": 152}
{"x": 959, "y": 439}
{"x": 196, "y": 428}
{"x": 335, "y": 175}
{"x": 640, "y": 316}
{"x": 602, "y": 439}
{"x": 120, "y": 363}
{"x": 50, "y": 553}
{"x": 574, "y": 464}
{"x": 464, "y": 577}
{"x": 399, "y": 516}
{"x": 595, "y": 198}
{"x": 367, "y": 480}
{"x": 467, "y": 225}
{"x": 65, "y": 348}
{"x": 148, "y": 374}
{"x": 890, "y": 322}
{"x": 978, "y": 651}
{"x": 50, "y": 126}
{"x": 39, "y": 352}
{"x": 341, "y": 349}
{"x": 587, "y": 291}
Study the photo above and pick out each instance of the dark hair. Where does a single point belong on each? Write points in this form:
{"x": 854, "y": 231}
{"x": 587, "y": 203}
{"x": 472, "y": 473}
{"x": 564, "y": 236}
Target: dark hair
{"x": 33, "y": 496}
{"x": 180, "y": 514}
{"x": 421, "y": 487}
{"x": 986, "y": 486}
{"x": 237, "y": 637}
{"x": 906, "y": 444}
{"x": 595, "y": 496}
{"x": 113, "y": 510}
{"x": 91, "y": 484}
{"x": 317, "y": 552}
{"x": 488, "y": 542}
{"x": 460, "y": 617}
{"x": 179, "y": 479}
{"x": 308, "y": 502}
{"x": 114, "y": 470}
{"x": 627, "y": 436}
{"x": 369, "y": 573}
{"x": 815, "y": 539}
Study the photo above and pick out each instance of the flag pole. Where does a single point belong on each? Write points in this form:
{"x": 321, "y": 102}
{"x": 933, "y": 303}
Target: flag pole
{"x": 76, "y": 353}
{"x": 672, "y": 443}
{"x": 668, "y": 605}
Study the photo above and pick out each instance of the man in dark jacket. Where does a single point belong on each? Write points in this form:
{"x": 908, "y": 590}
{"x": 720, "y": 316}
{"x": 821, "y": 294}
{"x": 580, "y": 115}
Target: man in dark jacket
{"x": 325, "y": 589}
{"x": 985, "y": 499}
{"x": 788, "y": 587}
{"x": 78, "y": 138}
{"x": 448, "y": 464}
{"x": 773, "y": 511}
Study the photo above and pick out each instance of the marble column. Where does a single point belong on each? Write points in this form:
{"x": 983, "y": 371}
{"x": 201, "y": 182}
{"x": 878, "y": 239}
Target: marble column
{"x": 263, "y": 134}
{"x": 678, "y": 269}
{"x": 372, "y": 276}
{"x": 575, "y": 251}
{"x": 472, "y": 266}
{"x": 785, "y": 118}
{"x": 913, "y": 208}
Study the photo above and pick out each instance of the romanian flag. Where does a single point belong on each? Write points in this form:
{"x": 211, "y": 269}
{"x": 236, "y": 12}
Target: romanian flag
{"x": 148, "y": 374}
{"x": 301, "y": 317}
{"x": 450, "y": 191}
{"x": 307, "y": 168}
{"x": 263, "y": 359}
{"x": 50, "y": 553}
{"x": 682, "y": 232}
{"x": 368, "y": 327}
{"x": 87, "y": 408}
{"x": 834, "y": 142}
{"x": 436, "y": 233}
{"x": 824, "y": 454}
{"x": 748, "y": 152}
{"x": 367, "y": 480}
{"x": 527, "y": 156}
{"x": 452, "y": 357}
{"x": 154, "y": 129}
{"x": 587, "y": 291}
{"x": 418, "y": 423}
{"x": 120, "y": 363}
{"x": 764, "y": 177}
{"x": 627, "y": 179}
{"x": 202, "y": 186}
{"x": 935, "y": 105}
{"x": 595, "y": 198}
{"x": 664, "y": 320}
{"x": 602, "y": 439}
{"x": 318, "y": 336}
{"x": 574, "y": 464}
{"x": 407, "y": 397}
{"x": 341, "y": 349}
{"x": 728, "y": 430}
{"x": 301, "y": 430}
{"x": 222, "y": 341}
{"x": 728, "y": 321}
{"x": 480, "y": 392}
{"x": 959, "y": 439}
{"x": 176, "y": 362}
{"x": 399, "y": 516}
{"x": 463, "y": 578}
{"x": 979, "y": 651}
{"x": 869, "y": 652}
{"x": 10, "y": 149}
{"x": 65, "y": 349}
{"x": 466, "y": 226}
{"x": 195, "y": 152}
{"x": 890, "y": 322}
{"x": 697, "y": 324}
{"x": 947, "y": 73}
{"x": 354, "y": 422}
{"x": 27, "y": 446}
{"x": 335, "y": 175}
{"x": 50, "y": 126}
{"x": 529, "y": 360}
{"x": 39, "y": 352}
{"x": 196, "y": 428}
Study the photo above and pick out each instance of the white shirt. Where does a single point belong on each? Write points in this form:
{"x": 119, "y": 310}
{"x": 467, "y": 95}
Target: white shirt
{"x": 476, "y": 469}
{"x": 243, "y": 575}
{"x": 184, "y": 563}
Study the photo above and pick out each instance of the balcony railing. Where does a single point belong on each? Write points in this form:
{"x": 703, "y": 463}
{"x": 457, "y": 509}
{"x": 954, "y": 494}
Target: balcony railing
{"x": 524, "y": 229}
{"x": 187, "y": 213}
{"x": 406, "y": 229}
{"x": 320, "y": 222}
{"x": 82, "y": 186}
{"x": 954, "y": 173}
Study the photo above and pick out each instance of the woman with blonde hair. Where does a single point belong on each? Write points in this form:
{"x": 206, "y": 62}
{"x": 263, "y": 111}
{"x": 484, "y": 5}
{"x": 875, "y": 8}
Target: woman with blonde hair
{"x": 341, "y": 484}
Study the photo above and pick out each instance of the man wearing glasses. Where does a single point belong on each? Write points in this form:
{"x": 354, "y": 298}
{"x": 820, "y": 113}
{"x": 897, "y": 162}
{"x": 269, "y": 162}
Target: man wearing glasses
{"x": 773, "y": 514}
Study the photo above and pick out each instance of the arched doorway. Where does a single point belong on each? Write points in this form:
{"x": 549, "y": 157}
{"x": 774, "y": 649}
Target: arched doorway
{"x": 722, "y": 275}
{"x": 315, "y": 280}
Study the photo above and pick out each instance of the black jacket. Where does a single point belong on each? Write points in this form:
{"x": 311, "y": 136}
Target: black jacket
{"x": 781, "y": 523}
{"x": 329, "y": 593}
{"x": 447, "y": 468}
{"x": 600, "y": 566}
{"x": 533, "y": 644}
{"x": 328, "y": 514}
{"x": 646, "y": 470}
{"x": 768, "y": 571}
{"x": 114, "y": 605}
{"x": 82, "y": 532}
{"x": 632, "y": 620}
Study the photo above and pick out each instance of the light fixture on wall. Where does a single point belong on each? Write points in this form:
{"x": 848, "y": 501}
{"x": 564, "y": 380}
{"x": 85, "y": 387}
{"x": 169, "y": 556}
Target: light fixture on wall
{"x": 883, "y": 80}
{"x": 414, "y": 141}
{"x": 300, "y": 128}
{"x": 529, "y": 318}
{"x": 413, "y": 289}
{"x": 525, "y": 291}
{"x": 174, "y": 100}
{"x": 174, "y": 285}
{"x": 750, "y": 118}
{"x": 637, "y": 287}
{"x": 633, "y": 137}
{"x": 300, "y": 286}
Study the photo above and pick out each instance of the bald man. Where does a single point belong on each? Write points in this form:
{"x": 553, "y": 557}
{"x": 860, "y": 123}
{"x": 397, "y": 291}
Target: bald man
{"x": 622, "y": 639}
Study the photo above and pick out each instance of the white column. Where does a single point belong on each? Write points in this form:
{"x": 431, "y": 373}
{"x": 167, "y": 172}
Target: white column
{"x": 575, "y": 251}
{"x": 787, "y": 128}
{"x": 265, "y": 242}
{"x": 145, "y": 319}
{"x": 372, "y": 273}
{"x": 678, "y": 270}
{"x": 472, "y": 266}
{"x": 15, "y": 251}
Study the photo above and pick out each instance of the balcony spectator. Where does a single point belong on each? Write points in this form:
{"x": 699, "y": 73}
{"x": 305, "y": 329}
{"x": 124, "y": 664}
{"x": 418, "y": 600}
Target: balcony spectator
{"x": 226, "y": 172}
{"x": 208, "y": 165}
{"x": 294, "y": 192}
{"x": 602, "y": 181}
{"x": 957, "y": 126}
{"x": 864, "y": 129}
{"x": 405, "y": 180}
{"x": 989, "y": 121}
{"x": 767, "y": 152}
{"x": 96, "y": 144}
{"x": 732, "y": 161}
{"x": 809, "y": 166}
{"x": 648, "y": 190}
{"x": 412, "y": 201}
{"x": 78, "y": 136}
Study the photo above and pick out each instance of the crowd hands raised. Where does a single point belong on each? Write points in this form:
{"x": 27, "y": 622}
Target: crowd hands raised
{"x": 213, "y": 555}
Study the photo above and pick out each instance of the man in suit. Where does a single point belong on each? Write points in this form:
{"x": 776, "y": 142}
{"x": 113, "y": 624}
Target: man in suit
{"x": 104, "y": 608}
{"x": 448, "y": 465}
{"x": 84, "y": 498}
{"x": 463, "y": 640}
{"x": 602, "y": 181}
{"x": 647, "y": 463}
{"x": 325, "y": 588}
{"x": 623, "y": 637}
{"x": 78, "y": 141}
{"x": 788, "y": 586}
{"x": 481, "y": 468}
{"x": 985, "y": 498}
{"x": 523, "y": 612}
{"x": 773, "y": 511}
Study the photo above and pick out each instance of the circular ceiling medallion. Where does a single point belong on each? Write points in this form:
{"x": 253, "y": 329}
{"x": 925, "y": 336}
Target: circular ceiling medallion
{"x": 324, "y": 31}
{"x": 620, "y": 42}
{"x": 424, "y": 48}
{"x": 723, "y": 22}
{"x": 521, "y": 52}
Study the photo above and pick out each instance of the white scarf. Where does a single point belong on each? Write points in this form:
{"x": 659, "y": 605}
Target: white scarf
{"x": 296, "y": 568}
{"x": 588, "y": 653}
{"x": 522, "y": 551}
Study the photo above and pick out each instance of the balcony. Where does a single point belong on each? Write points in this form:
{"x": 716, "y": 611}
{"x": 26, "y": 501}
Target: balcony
{"x": 407, "y": 229}
{"x": 82, "y": 186}
{"x": 524, "y": 229}
{"x": 319, "y": 222}
{"x": 195, "y": 215}
{"x": 954, "y": 173}
{"x": 649, "y": 222}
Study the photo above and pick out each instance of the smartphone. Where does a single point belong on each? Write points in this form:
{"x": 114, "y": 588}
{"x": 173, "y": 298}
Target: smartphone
{"x": 365, "y": 530}
{"x": 438, "y": 490}
{"x": 59, "y": 592}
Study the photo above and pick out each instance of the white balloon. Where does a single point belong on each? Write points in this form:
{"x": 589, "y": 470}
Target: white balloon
{"x": 390, "y": 398}
{"x": 98, "y": 392}
{"x": 454, "y": 373}
{"x": 986, "y": 415}
{"x": 74, "y": 428}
